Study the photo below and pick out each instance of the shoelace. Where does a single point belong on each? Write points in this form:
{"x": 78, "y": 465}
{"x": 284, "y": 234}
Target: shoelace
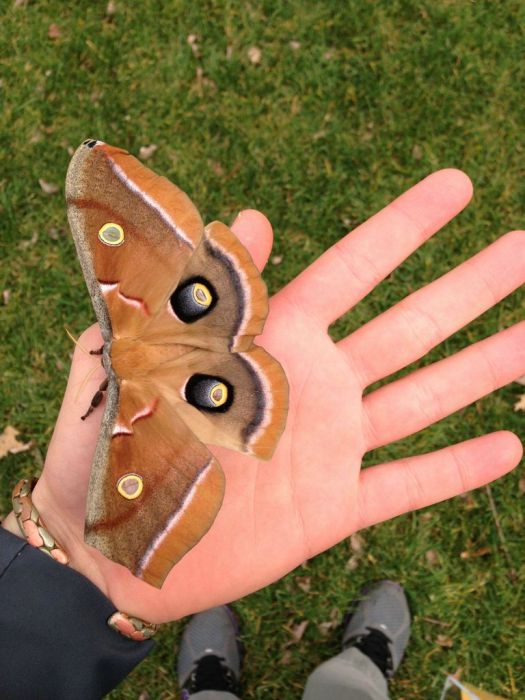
{"x": 211, "y": 673}
{"x": 375, "y": 646}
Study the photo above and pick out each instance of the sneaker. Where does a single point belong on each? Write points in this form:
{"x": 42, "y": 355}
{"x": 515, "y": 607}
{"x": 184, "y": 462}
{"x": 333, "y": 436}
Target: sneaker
{"x": 380, "y": 625}
{"x": 210, "y": 653}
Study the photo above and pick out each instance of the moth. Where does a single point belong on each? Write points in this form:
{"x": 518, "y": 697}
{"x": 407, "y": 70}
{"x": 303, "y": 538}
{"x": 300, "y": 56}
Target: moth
{"x": 179, "y": 305}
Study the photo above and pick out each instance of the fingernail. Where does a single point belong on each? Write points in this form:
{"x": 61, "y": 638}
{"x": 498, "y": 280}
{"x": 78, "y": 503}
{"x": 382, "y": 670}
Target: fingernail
{"x": 236, "y": 219}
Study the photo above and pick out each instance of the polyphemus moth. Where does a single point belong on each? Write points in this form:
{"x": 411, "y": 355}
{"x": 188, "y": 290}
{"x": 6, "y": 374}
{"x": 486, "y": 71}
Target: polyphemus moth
{"x": 179, "y": 305}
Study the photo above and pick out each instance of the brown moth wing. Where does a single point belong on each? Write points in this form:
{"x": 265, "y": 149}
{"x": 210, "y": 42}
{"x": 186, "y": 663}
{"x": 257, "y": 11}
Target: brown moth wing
{"x": 240, "y": 297}
{"x": 149, "y": 430}
{"x": 161, "y": 229}
{"x": 182, "y": 488}
{"x": 253, "y": 418}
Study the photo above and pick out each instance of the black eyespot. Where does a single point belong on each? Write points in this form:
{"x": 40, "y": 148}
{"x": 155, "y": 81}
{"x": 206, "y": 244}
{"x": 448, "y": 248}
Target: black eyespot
{"x": 90, "y": 143}
{"x": 193, "y": 299}
{"x": 209, "y": 393}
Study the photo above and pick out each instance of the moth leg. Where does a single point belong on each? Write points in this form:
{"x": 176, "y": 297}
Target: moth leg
{"x": 96, "y": 399}
{"x": 97, "y": 352}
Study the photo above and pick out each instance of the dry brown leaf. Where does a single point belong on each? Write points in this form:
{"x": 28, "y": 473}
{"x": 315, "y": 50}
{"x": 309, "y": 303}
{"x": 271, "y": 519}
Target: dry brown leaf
{"x": 216, "y": 167}
{"x": 520, "y": 403}
{"x": 229, "y": 52}
{"x": 521, "y": 380}
{"x": 111, "y": 8}
{"x": 146, "y": 152}
{"x": 54, "y": 31}
{"x": 352, "y": 563}
{"x": 469, "y": 501}
{"x": 444, "y": 641}
{"x": 286, "y": 657}
{"x": 297, "y": 631}
{"x": 48, "y": 187}
{"x": 10, "y": 445}
{"x": 295, "y": 45}
{"x": 356, "y": 543}
{"x": 417, "y": 152}
{"x": 20, "y": 3}
{"x": 95, "y": 96}
{"x": 6, "y": 295}
{"x": 192, "y": 40}
{"x": 481, "y": 552}
{"x": 521, "y": 486}
{"x": 36, "y": 137}
{"x": 431, "y": 557}
{"x": 433, "y": 621}
{"x": 276, "y": 259}
{"x": 29, "y": 242}
{"x": 54, "y": 233}
{"x": 304, "y": 583}
{"x": 331, "y": 624}
{"x": 203, "y": 82}
{"x": 255, "y": 55}
{"x": 325, "y": 628}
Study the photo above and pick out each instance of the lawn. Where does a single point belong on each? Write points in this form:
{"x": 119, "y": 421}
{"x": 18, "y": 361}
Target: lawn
{"x": 342, "y": 107}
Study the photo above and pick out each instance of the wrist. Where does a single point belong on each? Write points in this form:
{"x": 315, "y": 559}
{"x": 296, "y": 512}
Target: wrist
{"x": 65, "y": 528}
{"x": 51, "y": 515}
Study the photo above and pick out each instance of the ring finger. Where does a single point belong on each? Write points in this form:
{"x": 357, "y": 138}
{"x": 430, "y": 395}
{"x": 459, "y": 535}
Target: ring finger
{"x": 422, "y": 320}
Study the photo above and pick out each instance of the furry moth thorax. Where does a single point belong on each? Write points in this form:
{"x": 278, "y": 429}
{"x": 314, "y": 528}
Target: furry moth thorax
{"x": 179, "y": 305}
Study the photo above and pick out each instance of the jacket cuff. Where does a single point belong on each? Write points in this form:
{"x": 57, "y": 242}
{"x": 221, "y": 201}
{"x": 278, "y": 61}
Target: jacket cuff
{"x": 54, "y": 639}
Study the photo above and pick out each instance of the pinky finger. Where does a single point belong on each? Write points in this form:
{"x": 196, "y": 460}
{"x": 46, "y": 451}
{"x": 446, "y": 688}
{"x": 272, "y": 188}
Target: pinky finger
{"x": 391, "y": 489}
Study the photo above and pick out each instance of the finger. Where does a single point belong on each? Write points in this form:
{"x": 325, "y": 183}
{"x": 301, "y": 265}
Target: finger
{"x": 429, "y": 394}
{"x": 351, "y": 268}
{"x": 425, "y": 318}
{"x": 388, "y": 490}
{"x": 70, "y": 453}
{"x": 255, "y": 232}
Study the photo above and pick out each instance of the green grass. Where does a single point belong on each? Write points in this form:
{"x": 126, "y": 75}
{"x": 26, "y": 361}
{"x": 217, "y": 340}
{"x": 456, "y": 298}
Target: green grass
{"x": 319, "y": 137}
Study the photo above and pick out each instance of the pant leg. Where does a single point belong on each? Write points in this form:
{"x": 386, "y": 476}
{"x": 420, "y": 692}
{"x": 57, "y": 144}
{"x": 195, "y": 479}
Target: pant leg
{"x": 348, "y": 676}
{"x": 213, "y": 695}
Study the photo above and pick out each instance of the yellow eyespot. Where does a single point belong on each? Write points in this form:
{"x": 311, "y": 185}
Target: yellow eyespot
{"x": 219, "y": 394}
{"x": 111, "y": 234}
{"x": 201, "y": 294}
{"x": 130, "y": 486}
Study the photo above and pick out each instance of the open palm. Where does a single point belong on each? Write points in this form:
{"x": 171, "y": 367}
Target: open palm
{"x": 313, "y": 493}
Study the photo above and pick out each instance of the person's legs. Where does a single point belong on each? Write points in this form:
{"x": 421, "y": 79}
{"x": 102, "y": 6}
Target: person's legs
{"x": 350, "y": 675}
{"x": 374, "y": 641}
{"x": 209, "y": 662}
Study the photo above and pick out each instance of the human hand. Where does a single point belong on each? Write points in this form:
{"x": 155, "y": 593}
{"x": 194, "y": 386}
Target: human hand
{"x": 313, "y": 493}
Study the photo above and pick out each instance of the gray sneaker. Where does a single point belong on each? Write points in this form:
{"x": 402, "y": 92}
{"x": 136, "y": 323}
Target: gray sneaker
{"x": 380, "y": 625}
{"x": 210, "y": 653}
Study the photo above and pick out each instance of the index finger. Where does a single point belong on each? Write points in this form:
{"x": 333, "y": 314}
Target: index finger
{"x": 351, "y": 268}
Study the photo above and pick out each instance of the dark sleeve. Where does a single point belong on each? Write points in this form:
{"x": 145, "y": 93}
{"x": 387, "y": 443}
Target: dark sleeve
{"x": 54, "y": 640}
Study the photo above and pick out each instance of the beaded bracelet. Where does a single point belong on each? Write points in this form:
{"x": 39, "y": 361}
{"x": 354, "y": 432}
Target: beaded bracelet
{"x": 36, "y": 534}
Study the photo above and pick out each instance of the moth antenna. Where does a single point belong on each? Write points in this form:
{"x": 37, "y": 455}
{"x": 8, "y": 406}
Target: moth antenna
{"x": 72, "y": 337}
{"x": 85, "y": 381}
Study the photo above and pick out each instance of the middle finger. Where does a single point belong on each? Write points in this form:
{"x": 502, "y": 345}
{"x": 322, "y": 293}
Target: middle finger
{"x": 415, "y": 325}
